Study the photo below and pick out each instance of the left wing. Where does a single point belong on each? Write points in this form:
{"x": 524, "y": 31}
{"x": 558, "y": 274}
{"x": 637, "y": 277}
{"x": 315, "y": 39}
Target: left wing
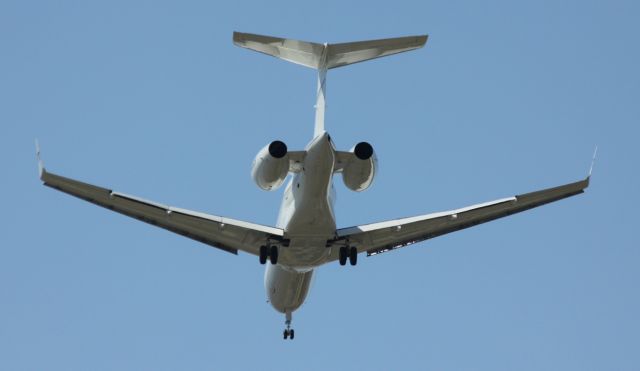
{"x": 223, "y": 233}
{"x": 385, "y": 236}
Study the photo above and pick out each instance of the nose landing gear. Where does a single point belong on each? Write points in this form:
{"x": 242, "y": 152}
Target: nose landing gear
{"x": 288, "y": 332}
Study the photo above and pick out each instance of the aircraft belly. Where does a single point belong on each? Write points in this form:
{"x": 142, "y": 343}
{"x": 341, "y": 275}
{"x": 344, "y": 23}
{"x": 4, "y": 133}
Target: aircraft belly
{"x": 304, "y": 254}
{"x": 286, "y": 288}
{"x": 306, "y": 214}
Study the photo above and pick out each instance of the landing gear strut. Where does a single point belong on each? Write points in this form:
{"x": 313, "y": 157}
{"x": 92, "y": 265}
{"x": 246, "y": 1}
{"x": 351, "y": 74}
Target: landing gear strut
{"x": 350, "y": 253}
{"x": 288, "y": 332}
{"x": 269, "y": 252}
{"x": 273, "y": 255}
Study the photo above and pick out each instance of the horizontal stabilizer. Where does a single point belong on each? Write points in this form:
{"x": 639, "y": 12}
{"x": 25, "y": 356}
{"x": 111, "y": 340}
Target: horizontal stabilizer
{"x": 310, "y": 54}
{"x": 299, "y": 52}
{"x": 348, "y": 53}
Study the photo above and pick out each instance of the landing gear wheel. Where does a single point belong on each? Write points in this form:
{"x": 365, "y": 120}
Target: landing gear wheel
{"x": 273, "y": 255}
{"x": 288, "y": 334}
{"x": 264, "y": 253}
{"x": 353, "y": 256}
{"x": 342, "y": 255}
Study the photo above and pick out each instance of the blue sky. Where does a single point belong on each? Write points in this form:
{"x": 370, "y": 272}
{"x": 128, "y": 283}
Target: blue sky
{"x": 152, "y": 99}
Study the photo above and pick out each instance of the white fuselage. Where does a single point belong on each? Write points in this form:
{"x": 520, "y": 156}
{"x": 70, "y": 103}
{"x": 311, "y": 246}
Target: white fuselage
{"x": 307, "y": 217}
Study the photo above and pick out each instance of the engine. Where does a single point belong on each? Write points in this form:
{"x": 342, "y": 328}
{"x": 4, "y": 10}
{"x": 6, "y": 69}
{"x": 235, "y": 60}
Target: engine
{"x": 361, "y": 168}
{"x": 271, "y": 166}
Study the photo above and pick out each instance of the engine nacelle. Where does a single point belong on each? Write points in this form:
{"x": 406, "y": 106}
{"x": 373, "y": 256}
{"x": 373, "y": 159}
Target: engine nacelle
{"x": 271, "y": 166}
{"x": 360, "y": 170}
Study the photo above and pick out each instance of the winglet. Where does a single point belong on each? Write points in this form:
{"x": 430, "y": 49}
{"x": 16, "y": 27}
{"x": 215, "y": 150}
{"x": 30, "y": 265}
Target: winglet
{"x": 593, "y": 161}
{"x": 41, "y": 170}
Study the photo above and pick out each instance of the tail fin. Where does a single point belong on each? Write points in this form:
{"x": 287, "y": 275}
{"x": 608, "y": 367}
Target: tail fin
{"x": 309, "y": 54}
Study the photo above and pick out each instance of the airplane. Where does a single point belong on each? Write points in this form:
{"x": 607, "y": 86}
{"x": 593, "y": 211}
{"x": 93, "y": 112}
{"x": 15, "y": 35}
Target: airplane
{"x": 305, "y": 236}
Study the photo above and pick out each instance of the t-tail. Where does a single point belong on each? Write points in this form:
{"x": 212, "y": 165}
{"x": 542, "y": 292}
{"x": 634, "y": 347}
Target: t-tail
{"x": 323, "y": 57}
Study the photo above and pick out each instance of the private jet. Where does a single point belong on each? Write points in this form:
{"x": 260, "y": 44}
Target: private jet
{"x": 305, "y": 235}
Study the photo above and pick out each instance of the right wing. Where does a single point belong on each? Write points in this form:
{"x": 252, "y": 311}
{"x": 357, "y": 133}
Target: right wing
{"x": 226, "y": 234}
{"x": 385, "y": 236}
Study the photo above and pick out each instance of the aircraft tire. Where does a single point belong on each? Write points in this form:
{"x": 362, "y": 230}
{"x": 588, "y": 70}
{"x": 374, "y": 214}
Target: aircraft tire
{"x": 264, "y": 252}
{"x": 273, "y": 256}
{"x": 342, "y": 255}
{"x": 353, "y": 256}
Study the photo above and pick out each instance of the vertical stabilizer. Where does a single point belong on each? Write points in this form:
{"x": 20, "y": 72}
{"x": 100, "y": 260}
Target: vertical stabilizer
{"x": 321, "y": 94}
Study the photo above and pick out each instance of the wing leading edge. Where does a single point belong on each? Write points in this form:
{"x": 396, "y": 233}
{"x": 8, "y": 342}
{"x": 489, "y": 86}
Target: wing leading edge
{"x": 223, "y": 233}
{"x": 389, "y": 235}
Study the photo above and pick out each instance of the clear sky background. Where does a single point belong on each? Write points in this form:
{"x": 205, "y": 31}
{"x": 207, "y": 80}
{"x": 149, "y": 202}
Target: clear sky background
{"x": 152, "y": 99}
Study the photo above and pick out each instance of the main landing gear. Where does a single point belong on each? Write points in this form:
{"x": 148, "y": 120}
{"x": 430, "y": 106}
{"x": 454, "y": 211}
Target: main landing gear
{"x": 350, "y": 253}
{"x": 269, "y": 252}
{"x": 288, "y": 332}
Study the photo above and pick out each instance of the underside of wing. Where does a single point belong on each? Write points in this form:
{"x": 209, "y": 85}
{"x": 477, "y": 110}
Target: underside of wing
{"x": 385, "y": 236}
{"x": 223, "y": 233}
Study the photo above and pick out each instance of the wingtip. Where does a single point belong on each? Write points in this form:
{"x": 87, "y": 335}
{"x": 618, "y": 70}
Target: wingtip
{"x": 236, "y": 37}
{"x": 421, "y": 40}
